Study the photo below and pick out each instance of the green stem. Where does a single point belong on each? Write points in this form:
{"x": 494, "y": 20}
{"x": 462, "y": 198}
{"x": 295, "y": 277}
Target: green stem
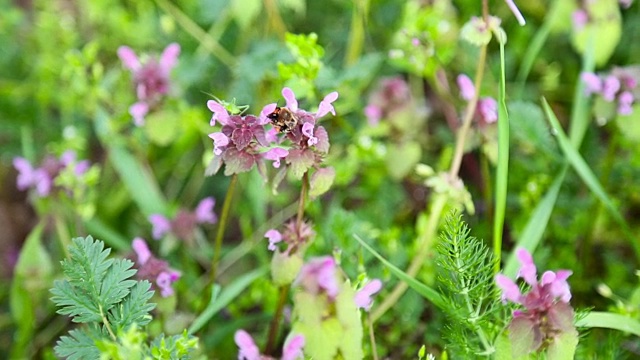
{"x": 63, "y": 234}
{"x": 221, "y": 228}
{"x": 303, "y": 194}
{"x": 356, "y": 35}
{"x": 275, "y": 322}
{"x": 372, "y": 337}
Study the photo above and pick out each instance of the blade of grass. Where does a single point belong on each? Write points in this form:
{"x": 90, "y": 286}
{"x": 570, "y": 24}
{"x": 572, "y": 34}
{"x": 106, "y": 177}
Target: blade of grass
{"x": 533, "y": 231}
{"x": 502, "y": 171}
{"x": 607, "y": 320}
{"x": 587, "y": 175}
{"x": 427, "y": 292}
{"x": 220, "y": 299}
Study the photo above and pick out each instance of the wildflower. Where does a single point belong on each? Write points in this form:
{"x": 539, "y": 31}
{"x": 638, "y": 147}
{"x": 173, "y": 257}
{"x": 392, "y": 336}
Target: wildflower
{"x": 153, "y": 269}
{"x": 467, "y": 89}
{"x": 487, "y": 110}
{"x": 319, "y": 276}
{"x": 547, "y": 313}
{"x": 619, "y": 87}
{"x": 43, "y": 178}
{"x": 274, "y": 237}
{"x": 151, "y": 78}
{"x": 276, "y": 154}
{"x": 248, "y": 350}
{"x": 363, "y": 296}
{"x": 625, "y": 102}
{"x": 184, "y": 223}
{"x": 294, "y": 235}
{"x": 391, "y": 96}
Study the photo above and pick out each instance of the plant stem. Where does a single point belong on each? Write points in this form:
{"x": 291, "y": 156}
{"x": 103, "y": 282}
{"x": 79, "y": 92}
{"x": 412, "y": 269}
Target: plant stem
{"x": 372, "y": 338}
{"x": 107, "y": 325}
{"x": 275, "y": 20}
{"x": 275, "y": 322}
{"x": 303, "y": 194}
{"x": 221, "y": 228}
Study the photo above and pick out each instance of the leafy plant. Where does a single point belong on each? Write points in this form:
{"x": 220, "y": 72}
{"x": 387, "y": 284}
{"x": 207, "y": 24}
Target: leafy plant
{"x": 98, "y": 292}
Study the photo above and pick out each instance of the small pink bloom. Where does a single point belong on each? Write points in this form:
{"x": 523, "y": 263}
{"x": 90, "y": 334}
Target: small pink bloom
{"x": 169, "y": 58}
{"x": 247, "y": 349}
{"x": 274, "y": 237}
{"x": 165, "y": 280}
{"x": 290, "y": 98}
{"x": 625, "y": 103}
{"x": 467, "y": 89}
{"x": 141, "y": 249}
{"x": 510, "y": 290}
{"x": 363, "y": 298}
{"x": 318, "y": 275}
{"x": 276, "y": 154}
{"x": 204, "y": 211}
{"x": 307, "y": 130}
{"x": 373, "y": 114}
{"x": 293, "y": 348}
{"x": 593, "y": 83}
{"x": 138, "y": 111}
{"x": 579, "y": 18}
{"x": 128, "y": 58}
{"x": 488, "y": 108}
{"x": 266, "y": 110}
{"x": 220, "y": 140}
{"x": 220, "y": 113}
{"x": 610, "y": 88}
{"x": 161, "y": 225}
{"x": 326, "y": 106}
{"x": 26, "y": 173}
{"x": 528, "y": 269}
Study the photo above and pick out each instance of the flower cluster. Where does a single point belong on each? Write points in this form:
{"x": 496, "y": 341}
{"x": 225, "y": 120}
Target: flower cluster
{"x": 247, "y": 349}
{"x": 185, "y": 222}
{"x": 392, "y": 95}
{"x": 293, "y": 235}
{"x": 620, "y": 86}
{"x": 244, "y": 141}
{"x": 150, "y": 78}
{"x": 547, "y": 313}
{"x": 43, "y": 178}
{"x": 153, "y": 269}
{"x": 487, "y": 108}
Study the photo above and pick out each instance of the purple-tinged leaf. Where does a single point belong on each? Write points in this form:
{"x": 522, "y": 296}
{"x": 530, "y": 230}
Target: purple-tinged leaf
{"x": 321, "y": 181}
{"x": 300, "y": 161}
{"x": 237, "y": 161}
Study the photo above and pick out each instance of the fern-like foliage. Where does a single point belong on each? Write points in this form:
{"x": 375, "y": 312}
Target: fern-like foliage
{"x": 466, "y": 280}
{"x": 98, "y": 291}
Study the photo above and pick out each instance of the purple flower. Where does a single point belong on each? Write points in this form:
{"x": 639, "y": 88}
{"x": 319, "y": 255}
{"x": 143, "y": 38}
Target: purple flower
{"x": 307, "y": 130}
{"x": 546, "y": 312}
{"x": 579, "y": 18}
{"x": 293, "y": 348}
{"x": 326, "y": 105}
{"x": 28, "y": 177}
{"x": 467, "y": 89}
{"x": 373, "y": 114}
{"x": 488, "y": 110}
{"x": 610, "y": 87}
{"x": 220, "y": 113}
{"x": 363, "y": 298}
{"x": 161, "y": 225}
{"x": 220, "y": 141}
{"x": 155, "y": 270}
{"x": 151, "y": 78}
{"x": 593, "y": 83}
{"x": 247, "y": 349}
{"x": 204, "y": 211}
{"x": 274, "y": 237}
{"x": 319, "y": 276}
{"x": 275, "y": 155}
{"x": 625, "y": 103}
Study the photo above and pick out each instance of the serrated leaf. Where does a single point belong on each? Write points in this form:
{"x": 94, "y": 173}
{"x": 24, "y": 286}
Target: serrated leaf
{"x": 237, "y": 161}
{"x": 74, "y": 304}
{"x": 87, "y": 266}
{"x": 135, "y": 307}
{"x": 78, "y": 346}
{"x": 115, "y": 285}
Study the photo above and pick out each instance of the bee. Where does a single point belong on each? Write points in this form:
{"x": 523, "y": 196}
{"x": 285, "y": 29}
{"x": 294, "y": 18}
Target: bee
{"x": 283, "y": 119}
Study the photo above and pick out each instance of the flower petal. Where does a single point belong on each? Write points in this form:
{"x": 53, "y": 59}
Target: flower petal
{"x": 274, "y": 237}
{"x": 169, "y": 57}
{"x": 161, "y": 225}
{"x": 266, "y": 110}
{"x": 142, "y": 250}
{"x": 290, "y": 97}
{"x": 467, "y": 89}
{"x": 528, "y": 270}
{"x": 510, "y": 290}
{"x": 247, "y": 349}
{"x": 204, "y": 211}
{"x": 326, "y": 106}
{"x": 138, "y": 112}
{"x": 220, "y": 113}
{"x": 293, "y": 348}
{"x": 128, "y": 58}
{"x": 363, "y": 296}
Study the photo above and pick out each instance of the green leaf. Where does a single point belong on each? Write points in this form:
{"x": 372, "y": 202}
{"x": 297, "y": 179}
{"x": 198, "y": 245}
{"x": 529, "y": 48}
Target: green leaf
{"x": 135, "y": 307}
{"x": 402, "y": 158}
{"x": 138, "y": 180}
{"x": 300, "y": 161}
{"x": 427, "y": 292}
{"x": 78, "y": 346}
{"x": 321, "y": 181}
{"x": 607, "y": 320}
{"x": 502, "y": 171}
{"x": 563, "y": 346}
{"x": 628, "y": 125}
{"x": 115, "y": 285}
{"x": 604, "y": 25}
{"x": 229, "y": 293}
{"x": 162, "y": 127}
{"x": 583, "y": 170}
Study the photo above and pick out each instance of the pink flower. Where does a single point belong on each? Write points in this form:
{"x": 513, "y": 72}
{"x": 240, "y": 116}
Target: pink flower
{"x": 467, "y": 89}
{"x": 29, "y": 177}
{"x": 204, "y": 211}
{"x": 319, "y": 275}
{"x": 373, "y": 114}
{"x": 610, "y": 88}
{"x": 579, "y": 19}
{"x": 625, "y": 103}
{"x": 247, "y": 349}
{"x": 220, "y": 141}
{"x": 488, "y": 110}
{"x": 363, "y": 298}
{"x": 326, "y": 105}
{"x": 307, "y": 130}
{"x": 161, "y": 225}
{"x": 290, "y": 98}
{"x": 276, "y": 154}
{"x": 593, "y": 83}
{"x": 274, "y": 237}
{"x": 293, "y": 348}
{"x": 155, "y": 270}
{"x": 220, "y": 113}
